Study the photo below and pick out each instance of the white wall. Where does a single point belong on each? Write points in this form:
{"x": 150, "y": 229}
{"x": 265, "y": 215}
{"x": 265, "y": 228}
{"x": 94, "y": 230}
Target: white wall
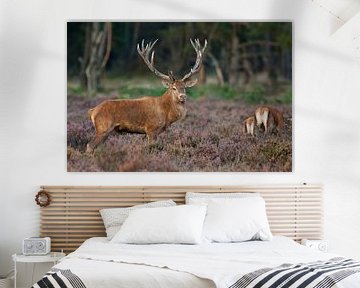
{"x": 33, "y": 109}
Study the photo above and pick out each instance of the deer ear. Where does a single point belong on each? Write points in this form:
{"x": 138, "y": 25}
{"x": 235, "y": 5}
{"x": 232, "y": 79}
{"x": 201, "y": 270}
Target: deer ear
{"x": 191, "y": 83}
{"x": 166, "y": 83}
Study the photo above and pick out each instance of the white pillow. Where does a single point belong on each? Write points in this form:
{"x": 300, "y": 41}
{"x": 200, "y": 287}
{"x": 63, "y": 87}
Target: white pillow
{"x": 203, "y": 198}
{"x": 236, "y": 220}
{"x": 180, "y": 224}
{"x": 113, "y": 218}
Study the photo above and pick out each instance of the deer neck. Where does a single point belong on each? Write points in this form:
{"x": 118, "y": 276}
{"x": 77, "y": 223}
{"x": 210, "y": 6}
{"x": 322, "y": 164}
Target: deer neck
{"x": 174, "y": 110}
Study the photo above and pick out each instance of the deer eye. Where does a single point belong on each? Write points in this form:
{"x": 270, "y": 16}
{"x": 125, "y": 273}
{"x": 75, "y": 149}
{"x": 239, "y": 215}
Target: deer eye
{"x": 174, "y": 88}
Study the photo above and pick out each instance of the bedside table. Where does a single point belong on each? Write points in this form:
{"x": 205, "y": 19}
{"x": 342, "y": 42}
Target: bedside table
{"x": 320, "y": 245}
{"x": 53, "y": 257}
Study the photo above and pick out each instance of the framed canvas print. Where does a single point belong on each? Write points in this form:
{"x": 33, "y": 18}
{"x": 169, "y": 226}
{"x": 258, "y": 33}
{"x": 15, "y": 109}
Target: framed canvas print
{"x": 179, "y": 96}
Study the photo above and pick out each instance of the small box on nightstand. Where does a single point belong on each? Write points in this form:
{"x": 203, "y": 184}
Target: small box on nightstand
{"x": 320, "y": 245}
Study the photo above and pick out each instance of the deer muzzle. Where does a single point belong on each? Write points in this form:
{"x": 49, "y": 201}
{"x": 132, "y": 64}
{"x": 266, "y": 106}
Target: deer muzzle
{"x": 182, "y": 98}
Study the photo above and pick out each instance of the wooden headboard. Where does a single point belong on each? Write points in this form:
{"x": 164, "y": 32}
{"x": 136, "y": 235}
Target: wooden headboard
{"x": 73, "y": 214}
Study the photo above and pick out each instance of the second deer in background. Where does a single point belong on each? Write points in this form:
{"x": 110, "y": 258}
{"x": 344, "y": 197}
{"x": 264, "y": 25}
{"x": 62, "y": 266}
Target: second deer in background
{"x": 266, "y": 119}
{"x": 270, "y": 119}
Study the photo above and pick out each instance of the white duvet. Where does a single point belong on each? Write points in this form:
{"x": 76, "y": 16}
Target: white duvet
{"x": 100, "y": 263}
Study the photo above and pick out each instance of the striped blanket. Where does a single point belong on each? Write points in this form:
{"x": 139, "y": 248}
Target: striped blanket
{"x": 320, "y": 274}
{"x": 59, "y": 278}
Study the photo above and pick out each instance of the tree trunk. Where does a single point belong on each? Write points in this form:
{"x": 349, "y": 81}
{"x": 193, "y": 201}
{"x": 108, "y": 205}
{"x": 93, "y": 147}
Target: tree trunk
{"x": 248, "y": 72}
{"x": 235, "y": 57}
{"x": 135, "y": 39}
{"x": 96, "y": 55}
{"x": 270, "y": 63}
{"x": 84, "y": 60}
{"x": 218, "y": 71}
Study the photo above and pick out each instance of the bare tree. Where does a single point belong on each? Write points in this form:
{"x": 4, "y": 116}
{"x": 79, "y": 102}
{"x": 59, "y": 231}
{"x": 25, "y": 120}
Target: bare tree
{"x": 218, "y": 70}
{"x": 96, "y": 55}
{"x": 234, "y": 56}
{"x": 135, "y": 38}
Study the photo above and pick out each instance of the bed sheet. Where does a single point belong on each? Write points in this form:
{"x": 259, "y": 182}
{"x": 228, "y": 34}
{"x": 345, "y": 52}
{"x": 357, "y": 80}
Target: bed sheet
{"x": 100, "y": 263}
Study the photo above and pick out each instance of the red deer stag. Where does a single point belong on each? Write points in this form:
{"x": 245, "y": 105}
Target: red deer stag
{"x": 271, "y": 118}
{"x": 146, "y": 115}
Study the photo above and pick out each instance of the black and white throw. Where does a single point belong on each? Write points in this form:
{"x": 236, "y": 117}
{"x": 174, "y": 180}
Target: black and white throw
{"x": 319, "y": 274}
{"x": 59, "y": 278}
{"x": 280, "y": 263}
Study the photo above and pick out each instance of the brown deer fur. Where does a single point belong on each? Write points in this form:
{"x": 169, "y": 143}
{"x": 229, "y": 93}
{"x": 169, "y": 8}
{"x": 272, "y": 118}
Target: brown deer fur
{"x": 271, "y": 119}
{"x": 147, "y": 115}
{"x": 249, "y": 125}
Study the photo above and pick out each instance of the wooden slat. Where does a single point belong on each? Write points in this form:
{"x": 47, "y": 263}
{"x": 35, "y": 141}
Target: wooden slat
{"x": 73, "y": 216}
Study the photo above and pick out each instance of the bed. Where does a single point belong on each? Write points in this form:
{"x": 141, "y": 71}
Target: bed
{"x": 294, "y": 211}
{"x": 99, "y": 263}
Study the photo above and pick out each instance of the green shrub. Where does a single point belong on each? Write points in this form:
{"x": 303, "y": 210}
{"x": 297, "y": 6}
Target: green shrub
{"x": 212, "y": 90}
{"x": 285, "y": 97}
{"x": 256, "y": 94}
{"x": 76, "y": 90}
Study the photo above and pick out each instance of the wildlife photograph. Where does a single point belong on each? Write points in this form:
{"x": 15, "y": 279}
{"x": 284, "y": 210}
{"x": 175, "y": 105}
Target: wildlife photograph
{"x": 179, "y": 96}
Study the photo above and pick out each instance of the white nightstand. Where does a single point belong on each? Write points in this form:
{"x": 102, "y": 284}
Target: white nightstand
{"x": 53, "y": 257}
{"x": 320, "y": 245}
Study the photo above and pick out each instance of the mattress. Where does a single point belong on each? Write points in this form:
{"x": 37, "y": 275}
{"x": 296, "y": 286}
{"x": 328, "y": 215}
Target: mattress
{"x": 99, "y": 263}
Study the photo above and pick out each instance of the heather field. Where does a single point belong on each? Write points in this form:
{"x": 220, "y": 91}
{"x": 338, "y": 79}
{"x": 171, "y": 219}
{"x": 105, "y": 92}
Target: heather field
{"x": 209, "y": 139}
{"x": 239, "y": 66}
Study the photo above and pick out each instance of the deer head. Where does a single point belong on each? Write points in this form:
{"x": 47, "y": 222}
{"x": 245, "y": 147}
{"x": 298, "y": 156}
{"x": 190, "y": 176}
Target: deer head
{"x": 177, "y": 87}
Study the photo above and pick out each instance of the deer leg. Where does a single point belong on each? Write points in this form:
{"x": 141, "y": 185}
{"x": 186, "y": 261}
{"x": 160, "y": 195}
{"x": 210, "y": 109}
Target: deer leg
{"x": 252, "y": 129}
{"x": 266, "y": 125}
{"x": 95, "y": 142}
{"x": 243, "y": 129}
{"x": 102, "y": 130}
{"x": 151, "y": 136}
{"x": 99, "y": 137}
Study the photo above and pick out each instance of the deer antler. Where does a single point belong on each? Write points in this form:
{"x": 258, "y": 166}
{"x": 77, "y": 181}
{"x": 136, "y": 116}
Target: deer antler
{"x": 144, "y": 53}
{"x": 199, "y": 54}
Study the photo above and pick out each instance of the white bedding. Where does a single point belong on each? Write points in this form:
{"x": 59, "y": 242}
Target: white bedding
{"x": 100, "y": 263}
